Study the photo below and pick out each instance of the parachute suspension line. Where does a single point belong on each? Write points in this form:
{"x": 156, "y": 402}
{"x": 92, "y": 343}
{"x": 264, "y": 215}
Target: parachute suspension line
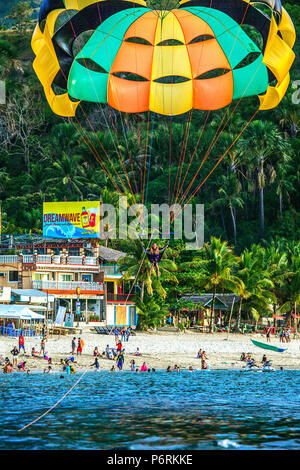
{"x": 179, "y": 188}
{"x": 150, "y": 154}
{"x": 140, "y": 266}
{"x": 185, "y": 148}
{"x": 57, "y": 403}
{"x": 138, "y": 116}
{"x": 218, "y": 136}
{"x": 181, "y": 153}
{"x": 220, "y": 159}
{"x": 207, "y": 153}
{"x": 194, "y": 152}
{"x": 95, "y": 153}
{"x": 170, "y": 158}
{"x": 170, "y": 132}
{"x": 145, "y": 159}
{"x": 107, "y": 124}
{"x": 98, "y": 140}
{"x": 123, "y": 129}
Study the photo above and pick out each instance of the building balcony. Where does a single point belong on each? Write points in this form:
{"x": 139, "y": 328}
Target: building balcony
{"x": 69, "y": 287}
{"x": 9, "y": 259}
{"x": 120, "y": 298}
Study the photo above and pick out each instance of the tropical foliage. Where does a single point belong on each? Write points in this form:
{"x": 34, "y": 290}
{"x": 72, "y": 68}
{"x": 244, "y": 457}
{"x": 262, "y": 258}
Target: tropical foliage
{"x": 251, "y": 199}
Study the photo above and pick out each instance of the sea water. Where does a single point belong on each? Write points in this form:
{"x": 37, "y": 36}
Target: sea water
{"x": 157, "y": 410}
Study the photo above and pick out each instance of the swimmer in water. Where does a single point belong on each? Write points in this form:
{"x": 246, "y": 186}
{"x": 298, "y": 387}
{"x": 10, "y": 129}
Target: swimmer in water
{"x": 191, "y": 369}
{"x": 96, "y": 364}
{"x": 169, "y": 369}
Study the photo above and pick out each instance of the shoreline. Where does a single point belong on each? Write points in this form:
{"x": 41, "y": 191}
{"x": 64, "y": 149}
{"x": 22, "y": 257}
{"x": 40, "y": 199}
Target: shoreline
{"x": 159, "y": 350}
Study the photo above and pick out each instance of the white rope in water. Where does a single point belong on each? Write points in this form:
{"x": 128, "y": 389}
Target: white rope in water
{"x": 57, "y": 403}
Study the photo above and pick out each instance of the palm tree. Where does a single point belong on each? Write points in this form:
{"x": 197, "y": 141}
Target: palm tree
{"x": 255, "y": 285}
{"x": 261, "y": 140}
{"x": 150, "y": 314}
{"x": 229, "y": 197}
{"x": 69, "y": 174}
{"x": 137, "y": 267}
{"x": 292, "y": 286}
{"x": 216, "y": 262}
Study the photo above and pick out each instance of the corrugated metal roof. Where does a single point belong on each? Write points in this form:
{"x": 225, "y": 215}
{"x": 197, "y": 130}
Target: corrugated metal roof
{"x": 205, "y": 299}
{"x": 108, "y": 254}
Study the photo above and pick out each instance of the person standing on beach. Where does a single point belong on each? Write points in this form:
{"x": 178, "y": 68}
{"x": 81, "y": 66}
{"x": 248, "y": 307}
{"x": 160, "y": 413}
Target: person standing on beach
{"x": 123, "y": 334}
{"x": 128, "y": 332}
{"x": 203, "y": 360}
{"x": 268, "y": 334}
{"x": 120, "y": 360}
{"x": 73, "y": 346}
{"x": 80, "y": 346}
{"x": 15, "y": 353}
{"x": 21, "y": 343}
{"x": 42, "y": 347}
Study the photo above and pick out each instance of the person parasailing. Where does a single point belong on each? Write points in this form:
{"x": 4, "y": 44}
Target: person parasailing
{"x": 154, "y": 255}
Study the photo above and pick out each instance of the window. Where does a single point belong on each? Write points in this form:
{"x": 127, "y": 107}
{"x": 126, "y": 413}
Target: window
{"x": 41, "y": 277}
{"x": 66, "y": 277}
{"x": 74, "y": 252}
{"x": 86, "y": 277}
{"x": 13, "y": 276}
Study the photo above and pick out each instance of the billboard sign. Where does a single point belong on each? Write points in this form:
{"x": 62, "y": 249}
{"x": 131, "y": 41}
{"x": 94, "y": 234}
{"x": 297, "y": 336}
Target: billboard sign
{"x": 60, "y": 316}
{"x": 71, "y": 219}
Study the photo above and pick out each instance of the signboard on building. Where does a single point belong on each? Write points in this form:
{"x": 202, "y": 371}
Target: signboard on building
{"x": 78, "y": 309}
{"x": 60, "y": 316}
{"x": 69, "y": 319}
{"x": 67, "y": 220}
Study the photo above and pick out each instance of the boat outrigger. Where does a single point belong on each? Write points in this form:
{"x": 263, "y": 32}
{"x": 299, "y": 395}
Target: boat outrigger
{"x": 270, "y": 347}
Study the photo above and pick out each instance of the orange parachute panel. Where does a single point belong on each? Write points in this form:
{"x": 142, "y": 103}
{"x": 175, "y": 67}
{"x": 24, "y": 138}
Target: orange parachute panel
{"x": 205, "y": 96}
{"x": 128, "y": 96}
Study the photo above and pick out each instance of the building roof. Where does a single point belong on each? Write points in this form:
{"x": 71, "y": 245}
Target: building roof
{"x": 108, "y": 254}
{"x": 32, "y": 294}
{"x": 206, "y": 299}
{"x": 28, "y": 292}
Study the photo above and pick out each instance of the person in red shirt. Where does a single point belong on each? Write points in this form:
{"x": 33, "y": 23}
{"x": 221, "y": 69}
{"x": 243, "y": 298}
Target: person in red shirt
{"x": 21, "y": 343}
{"x": 119, "y": 346}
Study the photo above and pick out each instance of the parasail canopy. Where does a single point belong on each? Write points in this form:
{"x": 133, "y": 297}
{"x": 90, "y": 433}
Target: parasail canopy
{"x": 136, "y": 59}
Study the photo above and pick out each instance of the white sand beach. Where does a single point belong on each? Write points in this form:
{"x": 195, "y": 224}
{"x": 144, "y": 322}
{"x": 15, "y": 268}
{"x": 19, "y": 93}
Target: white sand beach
{"x": 159, "y": 350}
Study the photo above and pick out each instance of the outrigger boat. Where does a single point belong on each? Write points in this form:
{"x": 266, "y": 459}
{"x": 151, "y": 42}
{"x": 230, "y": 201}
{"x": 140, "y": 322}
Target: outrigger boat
{"x": 255, "y": 368}
{"x": 270, "y": 347}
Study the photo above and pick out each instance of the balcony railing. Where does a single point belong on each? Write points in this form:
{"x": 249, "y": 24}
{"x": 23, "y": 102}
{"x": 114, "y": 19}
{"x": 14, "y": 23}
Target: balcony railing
{"x": 28, "y": 259}
{"x": 44, "y": 259}
{"x": 9, "y": 259}
{"x": 64, "y": 259}
{"x": 120, "y": 297}
{"x": 68, "y": 285}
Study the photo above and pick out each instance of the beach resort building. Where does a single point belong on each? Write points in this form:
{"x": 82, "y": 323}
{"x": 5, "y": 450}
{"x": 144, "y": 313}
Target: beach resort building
{"x": 199, "y": 311}
{"x": 81, "y": 276}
